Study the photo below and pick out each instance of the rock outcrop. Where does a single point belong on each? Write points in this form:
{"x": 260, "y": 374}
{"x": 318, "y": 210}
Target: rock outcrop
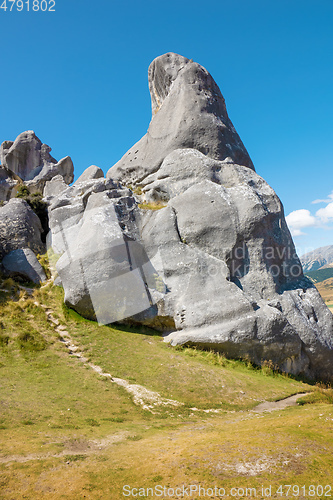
{"x": 23, "y": 262}
{"x": 27, "y": 167}
{"x": 28, "y": 161}
{"x": 203, "y": 233}
{"x": 19, "y": 228}
{"x": 188, "y": 112}
{"x": 90, "y": 173}
{"x": 103, "y": 267}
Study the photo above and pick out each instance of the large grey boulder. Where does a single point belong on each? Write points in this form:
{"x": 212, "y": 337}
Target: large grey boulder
{"x": 92, "y": 172}
{"x": 234, "y": 280}
{"x": 188, "y": 112}
{"x": 23, "y": 262}
{"x": 215, "y": 265}
{"x": 7, "y": 184}
{"x": 27, "y": 159}
{"x": 54, "y": 188}
{"x": 19, "y": 228}
{"x": 103, "y": 267}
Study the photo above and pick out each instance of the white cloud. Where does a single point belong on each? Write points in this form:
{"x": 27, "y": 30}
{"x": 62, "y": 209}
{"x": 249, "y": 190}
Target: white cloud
{"x": 296, "y": 232}
{"x": 329, "y": 199}
{"x": 326, "y": 214}
{"x": 299, "y": 219}
{"x": 302, "y": 218}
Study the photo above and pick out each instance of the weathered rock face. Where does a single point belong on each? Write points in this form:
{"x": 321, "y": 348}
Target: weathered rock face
{"x": 23, "y": 262}
{"x": 28, "y": 160}
{"x": 103, "y": 267}
{"x": 219, "y": 244}
{"x": 92, "y": 172}
{"x": 19, "y": 228}
{"x": 54, "y": 187}
{"x": 188, "y": 112}
{"x": 7, "y": 184}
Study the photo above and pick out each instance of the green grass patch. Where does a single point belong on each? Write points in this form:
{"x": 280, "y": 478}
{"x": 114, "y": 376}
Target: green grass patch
{"x": 317, "y": 396}
{"x": 153, "y": 205}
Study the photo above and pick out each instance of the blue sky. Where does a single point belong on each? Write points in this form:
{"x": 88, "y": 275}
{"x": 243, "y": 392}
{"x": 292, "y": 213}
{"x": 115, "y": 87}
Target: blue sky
{"x": 78, "y": 78}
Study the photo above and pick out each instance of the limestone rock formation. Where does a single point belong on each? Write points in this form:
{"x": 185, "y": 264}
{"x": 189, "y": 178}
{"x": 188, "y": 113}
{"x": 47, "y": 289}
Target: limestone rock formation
{"x": 28, "y": 160}
{"x": 54, "y": 187}
{"x": 91, "y": 172}
{"x": 19, "y": 228}
{"x": 215, "y": 264}
{"x": 188, "y": 112}
{"x": 7, "y": 184}
{"x": 103, "y": 268}
{"x": 23, "y": 262}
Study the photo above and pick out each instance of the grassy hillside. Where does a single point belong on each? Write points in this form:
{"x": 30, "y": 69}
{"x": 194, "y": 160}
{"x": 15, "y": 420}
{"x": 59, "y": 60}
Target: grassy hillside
{"x": 69, "y": 432}
{"x": 325, "y": 288}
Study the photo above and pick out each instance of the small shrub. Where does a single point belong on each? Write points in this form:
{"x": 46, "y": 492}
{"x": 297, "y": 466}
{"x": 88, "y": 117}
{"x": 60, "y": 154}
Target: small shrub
{"x": 318, "y": 396}
{"x": 44, "y": 262}
{"x": 74, "y": 458}
{"x": 22, "y": 191}
{"x": 134, "y": 438}
{"x": 36, "y": 203}
{"x": 137, "y": 190}
{"x": 92, "y": 422}
{"x": 267, "y": 368}
{"x": 4, "y": 338}
{"x": 31, "y": 340}
{"x": 10, "y": 285}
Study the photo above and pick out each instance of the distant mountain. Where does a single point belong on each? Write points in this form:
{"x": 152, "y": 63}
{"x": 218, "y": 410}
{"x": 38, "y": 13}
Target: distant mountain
{"x": 317, "y": 259}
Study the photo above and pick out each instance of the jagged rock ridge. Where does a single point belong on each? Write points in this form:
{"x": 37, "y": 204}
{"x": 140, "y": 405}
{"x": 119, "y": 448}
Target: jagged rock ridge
{"x": 28, "y": 161}
{"x": 26, "y": 165}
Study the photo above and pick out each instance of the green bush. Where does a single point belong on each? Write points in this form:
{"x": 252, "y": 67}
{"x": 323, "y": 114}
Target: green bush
{"x": 36, "y": 203}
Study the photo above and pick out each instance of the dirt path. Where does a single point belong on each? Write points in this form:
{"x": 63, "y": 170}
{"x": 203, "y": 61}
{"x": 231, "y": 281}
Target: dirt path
{"x": 147, "y": 399}
{"x": 279, "y": 405}
{"x": 71, "y": 448}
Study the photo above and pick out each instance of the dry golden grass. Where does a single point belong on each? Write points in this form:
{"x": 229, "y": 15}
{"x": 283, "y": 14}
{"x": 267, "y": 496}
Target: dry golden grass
{"x": 68, "y": 433}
